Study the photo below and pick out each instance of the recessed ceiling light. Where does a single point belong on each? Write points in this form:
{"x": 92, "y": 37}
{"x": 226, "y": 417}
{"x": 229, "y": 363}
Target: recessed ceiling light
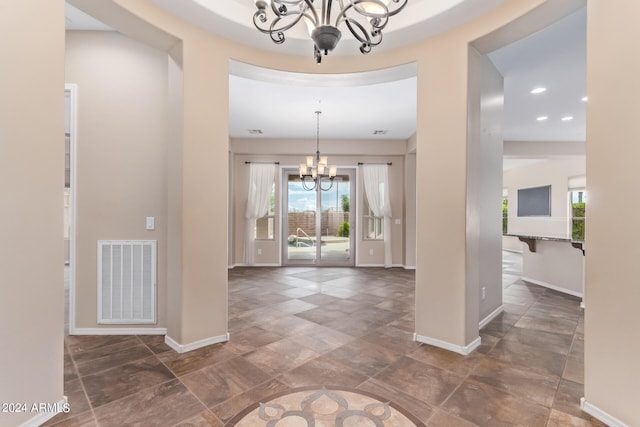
{"x": 542, "y": 118}
{"x": 567, "y": 118}
{"x": 539, "y": 90}
{"x": 585, "y": 99}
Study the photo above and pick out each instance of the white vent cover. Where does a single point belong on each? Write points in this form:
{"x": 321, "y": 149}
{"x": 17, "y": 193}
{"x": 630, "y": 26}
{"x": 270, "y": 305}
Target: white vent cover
{"x": 126, "y": 281}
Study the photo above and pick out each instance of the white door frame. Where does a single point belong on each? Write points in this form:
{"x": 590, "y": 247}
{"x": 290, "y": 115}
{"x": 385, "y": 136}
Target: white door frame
{"x": 284, "y": 260}
{"x": 71, "y": 90}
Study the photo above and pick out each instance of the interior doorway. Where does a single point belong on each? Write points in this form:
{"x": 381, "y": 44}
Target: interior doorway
{"x": 318, "y": 225}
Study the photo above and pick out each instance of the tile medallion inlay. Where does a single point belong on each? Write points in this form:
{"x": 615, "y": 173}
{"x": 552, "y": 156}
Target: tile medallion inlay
{"x": 312, "y": 406}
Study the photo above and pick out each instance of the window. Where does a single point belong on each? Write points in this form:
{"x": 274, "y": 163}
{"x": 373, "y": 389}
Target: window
{"x": 372, "y": 225}
{"x": 577, "y": 200}
{"x": 265, "y": 226}
{"x": 505, "y": 211}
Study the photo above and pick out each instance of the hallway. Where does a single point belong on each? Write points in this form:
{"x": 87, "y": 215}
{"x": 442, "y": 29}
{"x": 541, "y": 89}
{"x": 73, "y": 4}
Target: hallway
{"x": 351, "y": 328}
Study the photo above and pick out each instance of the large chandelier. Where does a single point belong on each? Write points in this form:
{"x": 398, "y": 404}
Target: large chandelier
{"x": 317, "y": 168}
{"x": 365, "y": 19}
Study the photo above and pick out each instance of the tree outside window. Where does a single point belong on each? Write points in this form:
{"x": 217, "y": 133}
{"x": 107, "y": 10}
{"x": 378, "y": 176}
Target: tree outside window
{"x": 505, "y": 214}
{"x": 578, "y": 201}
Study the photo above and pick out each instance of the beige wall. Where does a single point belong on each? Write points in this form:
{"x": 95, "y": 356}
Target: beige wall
{"x": 271, "y": 248}
{"x": 410, "y": 210}
{"x": 32, "y": 171}
{"x": 121, "y": 154}
{"x": 554, "y": 172}
{"x": 442, "y": 306}
{"x": 611, "y": 370}
{"x": 484, "y": 208}
{"x": 556, "y": 265}
{"x": 612, "y": 268}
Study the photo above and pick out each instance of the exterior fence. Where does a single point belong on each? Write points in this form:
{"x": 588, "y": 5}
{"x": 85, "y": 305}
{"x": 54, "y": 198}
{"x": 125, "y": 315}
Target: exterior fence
{"x": 331, "y": 222}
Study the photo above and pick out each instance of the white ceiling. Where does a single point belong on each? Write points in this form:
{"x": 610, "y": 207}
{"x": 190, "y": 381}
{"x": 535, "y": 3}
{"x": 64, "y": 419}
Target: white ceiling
{"x": 282, "y": 105}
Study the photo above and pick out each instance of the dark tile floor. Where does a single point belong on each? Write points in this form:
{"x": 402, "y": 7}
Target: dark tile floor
{"x": 293, "y": 327}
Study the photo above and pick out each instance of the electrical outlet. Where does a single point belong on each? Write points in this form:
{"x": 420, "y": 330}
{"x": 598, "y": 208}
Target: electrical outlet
{"x": 259, "y": 251}
{"x": 370, "y": 251}
{"x": 484, "y": 292}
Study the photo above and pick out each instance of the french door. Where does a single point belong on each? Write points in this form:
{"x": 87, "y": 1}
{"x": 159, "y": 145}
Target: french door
{"x": 318, "y": 226}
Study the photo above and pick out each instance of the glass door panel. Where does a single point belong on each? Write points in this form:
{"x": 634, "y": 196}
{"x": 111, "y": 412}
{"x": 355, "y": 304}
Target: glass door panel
{"x": 300, "y": 221}
{"x": 335, "y": 221}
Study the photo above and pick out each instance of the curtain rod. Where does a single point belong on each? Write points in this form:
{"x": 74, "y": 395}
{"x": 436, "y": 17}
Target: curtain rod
{"x": 265, "y": 163}
{"x": 388, "y": 163}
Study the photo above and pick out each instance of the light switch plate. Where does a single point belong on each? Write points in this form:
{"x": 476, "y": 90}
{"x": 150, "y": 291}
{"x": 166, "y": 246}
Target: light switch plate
{"x": 151, "y": 223}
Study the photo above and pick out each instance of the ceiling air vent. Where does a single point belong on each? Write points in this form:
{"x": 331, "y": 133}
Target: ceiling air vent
{"x": 380, "y": 132}
{"x": 255, "y": 131}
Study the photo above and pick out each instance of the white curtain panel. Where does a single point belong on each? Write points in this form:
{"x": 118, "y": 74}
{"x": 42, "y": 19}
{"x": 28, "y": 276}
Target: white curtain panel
{"x": 376, "y": 188}
{"x": 261, "y": 177}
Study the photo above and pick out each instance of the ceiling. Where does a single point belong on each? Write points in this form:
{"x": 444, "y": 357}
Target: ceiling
{"x": 382, "y": 105}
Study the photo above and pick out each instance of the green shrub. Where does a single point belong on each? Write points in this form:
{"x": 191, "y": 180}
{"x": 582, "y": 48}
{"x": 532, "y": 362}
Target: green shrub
{"x": 343, "y": 231}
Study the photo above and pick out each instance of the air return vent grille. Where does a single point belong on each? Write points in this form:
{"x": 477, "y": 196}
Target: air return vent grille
{"x": 126, "y": 281}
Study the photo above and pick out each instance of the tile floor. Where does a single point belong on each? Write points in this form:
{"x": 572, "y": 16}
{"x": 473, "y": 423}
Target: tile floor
{"x": 294, "y": 327}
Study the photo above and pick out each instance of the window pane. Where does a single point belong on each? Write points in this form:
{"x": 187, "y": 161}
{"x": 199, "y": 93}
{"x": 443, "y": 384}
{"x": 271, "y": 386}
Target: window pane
{"x": 372, "y": 225}
{"x": 578, "y": 214}
{"x": 264, "y": 227}
{"x": 505, "y": 214}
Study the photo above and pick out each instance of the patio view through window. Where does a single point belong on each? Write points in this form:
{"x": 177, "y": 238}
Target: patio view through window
{"x": 318, "y": 223}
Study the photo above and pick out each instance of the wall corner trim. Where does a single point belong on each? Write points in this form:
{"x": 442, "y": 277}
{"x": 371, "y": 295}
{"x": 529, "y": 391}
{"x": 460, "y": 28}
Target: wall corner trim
{"x": 464, "y": 350}
{"x": 184, "y": 348}
{"x": 596, "y": 412}
{"x": 491, "y": 316}
{"x": 118, "y": 331}
{"x": 61, "y": 406}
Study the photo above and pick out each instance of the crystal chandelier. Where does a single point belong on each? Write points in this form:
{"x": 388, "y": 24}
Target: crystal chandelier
{"x": 316, "y": 169}
{"x": 365, "y": 19}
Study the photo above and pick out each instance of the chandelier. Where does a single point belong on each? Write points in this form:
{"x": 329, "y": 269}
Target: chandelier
{"x": 316, "y": 169}
{"x": 365, "y": 19}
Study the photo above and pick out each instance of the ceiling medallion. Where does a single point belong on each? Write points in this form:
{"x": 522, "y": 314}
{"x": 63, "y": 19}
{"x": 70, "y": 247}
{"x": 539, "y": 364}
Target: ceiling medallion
{"x": 365, "y": 19}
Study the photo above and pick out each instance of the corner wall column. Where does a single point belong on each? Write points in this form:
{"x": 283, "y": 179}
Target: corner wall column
{"x": 446, "y": 310}
{"x": 198, "y": 187}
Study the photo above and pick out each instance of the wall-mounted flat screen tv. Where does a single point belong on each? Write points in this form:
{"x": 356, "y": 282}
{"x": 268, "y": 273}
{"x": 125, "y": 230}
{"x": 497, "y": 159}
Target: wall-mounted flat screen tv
{"x": 535, "y": 201}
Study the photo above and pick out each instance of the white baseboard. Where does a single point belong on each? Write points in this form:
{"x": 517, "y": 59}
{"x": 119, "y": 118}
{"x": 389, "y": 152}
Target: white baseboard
{"x": 554, "y": 287}
{"x": 464, "y": 350}
{"x": 42, "y": 417}
{"x": 380, "y": 265}
{"x": 491, "y": 316}
{"x": 406, "y": 267}
{"x": 184, "y": 348}
{"x": 599, "y": 414}
{"x": 270, "y": 264}
{"x": 118, "y": 331}
{"x": 515, "y": 251}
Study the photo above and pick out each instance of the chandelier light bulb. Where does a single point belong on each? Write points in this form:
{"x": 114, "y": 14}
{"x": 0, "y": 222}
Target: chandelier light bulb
{"x": 378, "y": 8}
